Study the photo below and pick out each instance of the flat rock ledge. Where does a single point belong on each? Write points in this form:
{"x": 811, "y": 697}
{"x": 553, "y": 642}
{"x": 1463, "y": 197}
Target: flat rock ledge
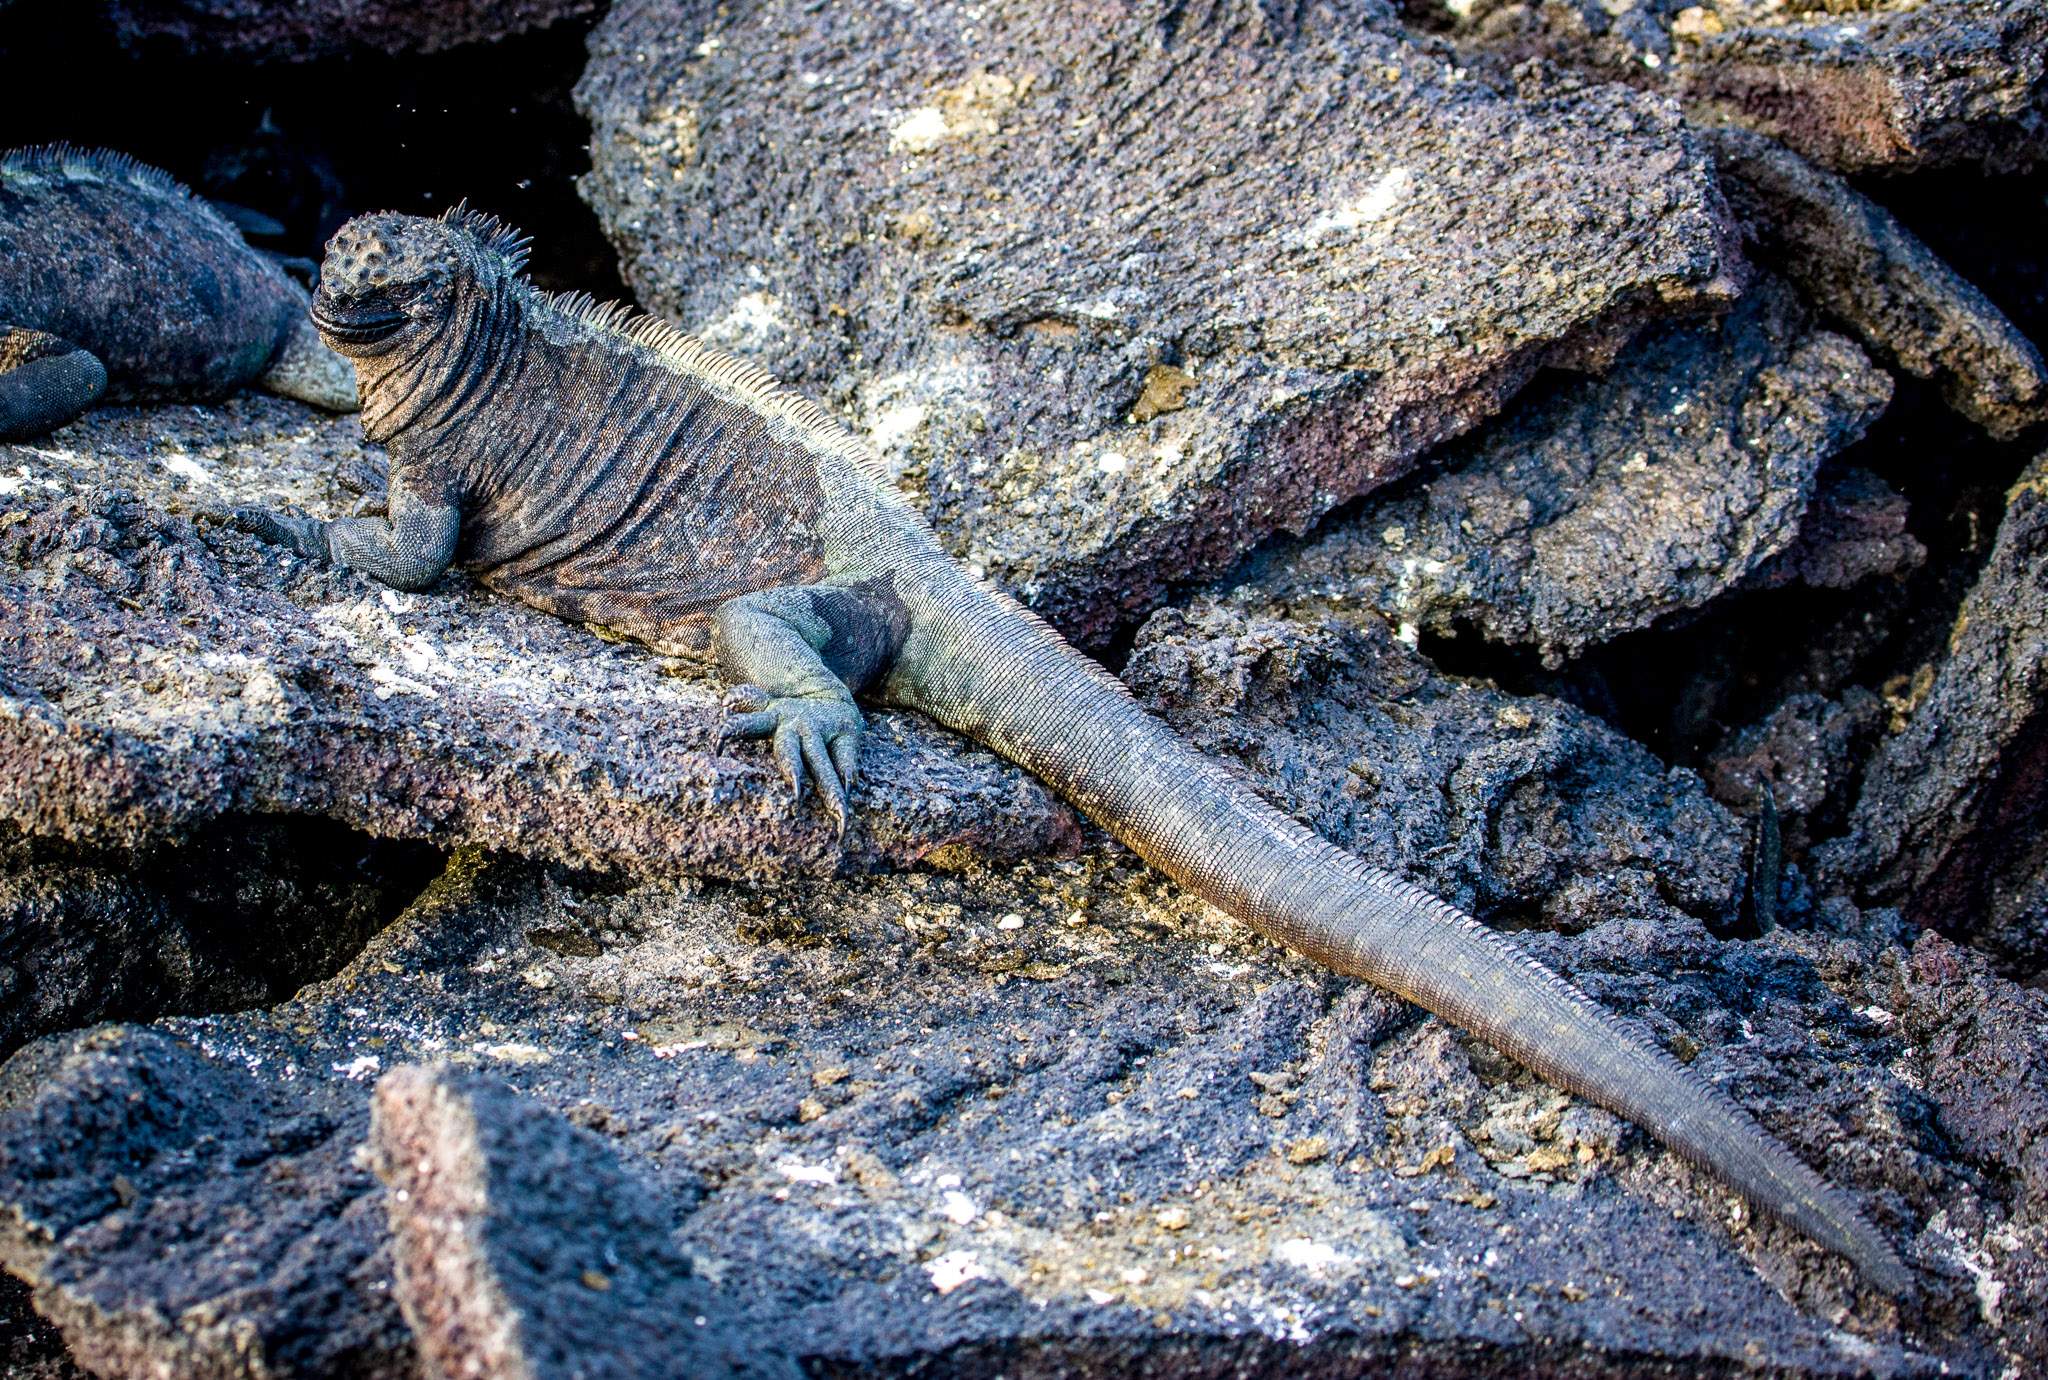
{"x": 1120, "y": 292}
{"x": 157, "y": 673}
{"x": 902, "y": 1137}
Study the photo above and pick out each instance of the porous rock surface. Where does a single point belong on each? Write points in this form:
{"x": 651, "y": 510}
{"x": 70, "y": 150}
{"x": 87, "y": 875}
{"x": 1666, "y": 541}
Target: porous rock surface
{"x": 1946, "y": 827}
{"x": 1853, "y": 260}
{"x": 522, "y": 1248}
{"x": 157, "y": 672}
{"x": 1121, "y": 290}
{"x": 1057, "y": 1116}
{"x": 325, "y": 28}
{"x": 1606, "y": 504}
{"x": 1868, "y": 86}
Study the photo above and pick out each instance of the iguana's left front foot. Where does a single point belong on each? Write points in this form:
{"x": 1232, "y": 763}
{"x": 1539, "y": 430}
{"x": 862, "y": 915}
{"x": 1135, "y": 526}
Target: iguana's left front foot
{"x": 817, "y": 734}
{"x": 305, "y": 537}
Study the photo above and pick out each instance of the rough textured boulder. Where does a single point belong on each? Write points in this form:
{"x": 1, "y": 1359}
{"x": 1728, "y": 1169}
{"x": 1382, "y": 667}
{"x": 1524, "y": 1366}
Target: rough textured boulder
{"x": 1946, "y": 827}
{"x": 523, "y": 1250}
{"x": 1854, "y": 261}
{"x": 1121, "y": 290}
{"x": 1520, "y": 810}
{"x": 924, "y": 1121}
{"x": 1888, "y": 86}
{"x": 1608, "y": 503}
{"x": 156, "y": 673}
{"x": 1891, "y": 87}
{"x": 326, "y": 28}
{"x": 176, "y": 1213}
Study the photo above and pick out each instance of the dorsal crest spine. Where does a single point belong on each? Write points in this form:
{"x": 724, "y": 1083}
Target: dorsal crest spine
{"x": 753, "y": 385}
{"x": 494, "y": 234}
{"x": 109, "y": 165}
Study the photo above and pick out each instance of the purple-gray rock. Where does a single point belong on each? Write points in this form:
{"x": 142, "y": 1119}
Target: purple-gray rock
{"x": 1889, "y": 86}
{"x": 1855, "y": 262}
{"x": 1609, "y": 503}
{"x": 1854, "y": 528}
{"x": 907, "y": 1121}
{"x": 523, "y": 1249}
{"x": 1120, "y": 291}
{"x": 242, "y": 913}
{"x": 1946, "y": 827}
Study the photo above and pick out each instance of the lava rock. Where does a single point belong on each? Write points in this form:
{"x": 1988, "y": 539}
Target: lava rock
{"x": 1608, "y": 503}
{"x": 1117, "y": 291}
{"x": 1980, "y": 1050}
{"x": 1889, "y": 86}
{"x": 524, "y": 1250}
{"x": 1854, "y": 261}
{"x": 1854, "y": 529}
{"x": 181, "y": 1215}
{"x": 157, "y": 673}
{"x": 1520, "y": 810}
{"x": 909, "y": 1132}
{"x": 243, "y": 913}
{"x": 1946, "y": 826}
{"x": 251, "y": 29}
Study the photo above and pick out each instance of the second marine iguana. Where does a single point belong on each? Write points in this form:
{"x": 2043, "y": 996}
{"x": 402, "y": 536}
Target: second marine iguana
{"x": 117, "y": 284}
{"x": 617, "y": 472}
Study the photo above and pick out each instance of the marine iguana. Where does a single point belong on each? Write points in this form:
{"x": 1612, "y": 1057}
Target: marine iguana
{"x": 118, "y": 284}
{"x": 615, "y": 471}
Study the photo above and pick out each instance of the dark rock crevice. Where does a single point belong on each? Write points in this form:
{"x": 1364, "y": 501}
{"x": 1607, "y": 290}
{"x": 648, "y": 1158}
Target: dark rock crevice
{"x": 307, "y": 144}
{"x": 242, "y": 913}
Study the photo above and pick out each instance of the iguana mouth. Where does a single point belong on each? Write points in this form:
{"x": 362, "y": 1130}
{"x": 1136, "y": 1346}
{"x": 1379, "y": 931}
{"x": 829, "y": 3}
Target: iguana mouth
{"x": 356, "y": 328}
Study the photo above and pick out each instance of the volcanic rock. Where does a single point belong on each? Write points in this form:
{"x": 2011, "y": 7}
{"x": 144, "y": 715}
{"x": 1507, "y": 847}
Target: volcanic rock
{"x": 1606, "y": 504}
{"x": 1888, "y": 86}
{"x": 156, "y": 673}
{"x": 251, "y": 29}
{"x": 913, "y": 1135}
{"x": 242, "y": 913}
{"x": 1120, "y": 291}
{"x": 1946, "y": 827}
{"x": 524, "y": 1250}
{"x": 1855, "y": 262}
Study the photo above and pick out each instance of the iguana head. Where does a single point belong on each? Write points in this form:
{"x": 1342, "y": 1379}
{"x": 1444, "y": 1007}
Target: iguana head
{"x": 389, "y": 276}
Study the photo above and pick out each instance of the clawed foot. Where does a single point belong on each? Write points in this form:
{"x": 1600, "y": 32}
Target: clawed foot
{"x": 305, "y": 537}
{"x": 812, "y": 735}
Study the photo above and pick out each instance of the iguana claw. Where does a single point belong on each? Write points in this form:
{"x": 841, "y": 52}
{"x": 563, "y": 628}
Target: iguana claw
{"x": 816, "y": 736}
{"x": 305, "y": 537}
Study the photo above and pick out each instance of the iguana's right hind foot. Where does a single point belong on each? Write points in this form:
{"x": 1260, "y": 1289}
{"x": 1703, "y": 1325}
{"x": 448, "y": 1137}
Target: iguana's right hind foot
{"x": 816, "y": 736}
{"x": 45, "y": 381}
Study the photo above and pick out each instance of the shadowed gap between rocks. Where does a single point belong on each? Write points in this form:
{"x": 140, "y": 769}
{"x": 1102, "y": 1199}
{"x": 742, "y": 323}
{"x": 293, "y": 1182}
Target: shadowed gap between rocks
{"x": 244, "y": 913}
{"x": 309, "y": 144}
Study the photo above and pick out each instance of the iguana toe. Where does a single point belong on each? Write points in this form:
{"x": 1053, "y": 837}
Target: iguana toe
{"x": 45, "y": 381}
{"x": 817, "y": 738}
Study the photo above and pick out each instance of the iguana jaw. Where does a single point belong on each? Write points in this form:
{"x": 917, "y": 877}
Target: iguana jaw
{"x": 342, "y": 326}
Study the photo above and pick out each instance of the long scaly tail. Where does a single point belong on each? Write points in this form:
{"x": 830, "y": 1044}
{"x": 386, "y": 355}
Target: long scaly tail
{"x": 980, "y": 664}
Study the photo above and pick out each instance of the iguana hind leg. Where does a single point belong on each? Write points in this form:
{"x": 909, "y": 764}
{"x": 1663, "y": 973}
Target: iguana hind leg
{"x": 45, "y": 381}
{"x": 798, "y": 654}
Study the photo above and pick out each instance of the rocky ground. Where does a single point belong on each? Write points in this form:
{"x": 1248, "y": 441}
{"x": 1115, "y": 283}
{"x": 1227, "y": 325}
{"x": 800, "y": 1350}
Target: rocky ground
{"x": 1507, "y": 437}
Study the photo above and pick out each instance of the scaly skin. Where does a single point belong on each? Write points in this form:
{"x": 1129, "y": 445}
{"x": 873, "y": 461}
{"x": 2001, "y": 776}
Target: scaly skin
{"x": 680, "y": 496}
{"x": 155, "y": 293}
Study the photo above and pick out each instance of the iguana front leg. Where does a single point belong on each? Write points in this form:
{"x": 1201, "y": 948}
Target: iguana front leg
{"x": 409, "y": 550}
{"x": 797, "y": 655}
